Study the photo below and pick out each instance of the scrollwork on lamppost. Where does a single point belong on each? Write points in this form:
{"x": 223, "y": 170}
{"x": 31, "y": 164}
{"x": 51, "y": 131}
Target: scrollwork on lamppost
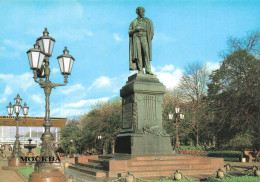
{"x": 39, "y": 63}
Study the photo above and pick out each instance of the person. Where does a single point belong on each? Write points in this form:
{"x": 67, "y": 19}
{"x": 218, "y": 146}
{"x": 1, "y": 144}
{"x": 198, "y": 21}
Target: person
{"x": 140, "y": 42}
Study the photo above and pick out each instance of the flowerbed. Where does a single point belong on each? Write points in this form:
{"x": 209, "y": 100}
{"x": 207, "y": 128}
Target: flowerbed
{"x": 195, "y": 152}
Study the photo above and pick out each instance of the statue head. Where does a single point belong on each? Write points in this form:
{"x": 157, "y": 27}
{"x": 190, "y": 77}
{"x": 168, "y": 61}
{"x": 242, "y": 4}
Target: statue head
{"x": 140, "y": 11}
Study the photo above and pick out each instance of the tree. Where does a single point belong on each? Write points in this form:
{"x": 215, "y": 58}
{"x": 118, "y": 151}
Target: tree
{"x": 194, "y": 87}
{"x": 71, "y": 137}
{"x": 234, "y": 92}
{"x": 103, "y": 119}
{"x": 249, "y": 43}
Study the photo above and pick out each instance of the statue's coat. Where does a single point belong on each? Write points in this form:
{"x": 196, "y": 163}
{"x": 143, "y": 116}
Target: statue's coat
{"x": 132, "y": 44}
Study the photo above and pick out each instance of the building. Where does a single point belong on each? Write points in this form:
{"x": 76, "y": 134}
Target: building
{"x": 29, "y": 127}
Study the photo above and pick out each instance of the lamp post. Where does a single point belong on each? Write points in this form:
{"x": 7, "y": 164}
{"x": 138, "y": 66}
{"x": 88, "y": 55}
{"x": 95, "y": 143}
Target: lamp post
{"x": 99, "y": 137}
{"x": 39, "y": 63}
{"x": 71, "y": 144}
{"x": 14, "y": 160}
{"x": 177, "y": 117}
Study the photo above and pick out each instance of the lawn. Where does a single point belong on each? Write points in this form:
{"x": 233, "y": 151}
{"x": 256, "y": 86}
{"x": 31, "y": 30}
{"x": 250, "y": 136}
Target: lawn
{"x": 26, "y": 171}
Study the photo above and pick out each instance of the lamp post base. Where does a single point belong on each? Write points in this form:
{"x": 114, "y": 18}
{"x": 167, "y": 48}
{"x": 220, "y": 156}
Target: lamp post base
{"x": 55, "y": 176}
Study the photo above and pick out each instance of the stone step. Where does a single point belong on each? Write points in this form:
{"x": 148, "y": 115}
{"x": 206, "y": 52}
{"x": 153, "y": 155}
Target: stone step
{"x": 98, "y": 161}
{"x": 89, "y": 171}
{"x": 169, "y": 167}
{"x": 167, "y": 162}
{"x": 92, "y": 165}
{"x": 187, "y": 172}
{"x": 144, "y": 158}
{"x": 104, "y": 157}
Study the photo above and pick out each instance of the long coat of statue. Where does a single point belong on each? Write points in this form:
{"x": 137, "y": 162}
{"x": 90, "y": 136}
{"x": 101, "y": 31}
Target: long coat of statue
{"x": 133, "y": 56}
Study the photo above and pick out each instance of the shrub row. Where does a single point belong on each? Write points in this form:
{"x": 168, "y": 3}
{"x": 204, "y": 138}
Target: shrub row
{"x": 191, "y": 148}
{"x": 198, "y": 151}
{"x": 194, "y": 152}
{"x": 230, "y": 154}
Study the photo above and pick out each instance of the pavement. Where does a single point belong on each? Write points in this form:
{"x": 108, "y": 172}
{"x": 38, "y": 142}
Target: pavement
{"x": 9, "y": 175}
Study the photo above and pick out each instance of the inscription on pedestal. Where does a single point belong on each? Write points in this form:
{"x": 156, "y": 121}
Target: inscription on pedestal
{"x": 127, "y": 115}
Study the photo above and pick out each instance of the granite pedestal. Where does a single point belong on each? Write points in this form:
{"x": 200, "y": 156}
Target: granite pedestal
{"x": 142, "y": 131}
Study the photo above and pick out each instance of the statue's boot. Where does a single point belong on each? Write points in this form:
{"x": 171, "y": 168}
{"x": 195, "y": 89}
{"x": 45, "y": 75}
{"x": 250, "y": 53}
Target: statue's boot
{"x": 149, "y": 72}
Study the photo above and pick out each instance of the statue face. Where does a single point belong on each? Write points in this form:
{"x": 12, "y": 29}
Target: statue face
{"x": 141, "y": 13}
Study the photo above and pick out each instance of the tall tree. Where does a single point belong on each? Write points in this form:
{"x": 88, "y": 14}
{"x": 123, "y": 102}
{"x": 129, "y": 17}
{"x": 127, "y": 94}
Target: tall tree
{"x": 104, "y": 119}
{"x": 234, "y": 91}
{"x": 194, "y": 87}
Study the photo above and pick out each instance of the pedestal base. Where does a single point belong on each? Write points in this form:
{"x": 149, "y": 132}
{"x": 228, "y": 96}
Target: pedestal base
{"x": 146, "y": 165}
{"x": 55, "y": 176}
{"x": 13, "y": 164}
{"x": 134, "y": 143}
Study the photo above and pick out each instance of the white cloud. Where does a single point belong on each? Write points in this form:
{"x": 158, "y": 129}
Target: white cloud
{"x": 3, "y": 99}
{"x": 23, "y": 81}
{"x": 117, "y": 37}
{"x": 18, "y": 45}
{"x": 169, "y": 76}
{"x": 72, "y": 88}
{"x": 55, "y": 70}
{"x": 77, "y": 108}
{"x": 101, "y": 82}
{"x": 213, "y": 65}
{"x": 38, "y": 98}
{"x": 8, "y": 90}
{"x": 84, "y": 103}
{"x": 167, "y": 68}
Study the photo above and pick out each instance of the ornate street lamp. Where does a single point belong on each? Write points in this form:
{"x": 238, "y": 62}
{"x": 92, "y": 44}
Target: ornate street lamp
{"x": 39, "y": 63}
{"x": 14, "y": 160}
{"x": 178, "y": 116}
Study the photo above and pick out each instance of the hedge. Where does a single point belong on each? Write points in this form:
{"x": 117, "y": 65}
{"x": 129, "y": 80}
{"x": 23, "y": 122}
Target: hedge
{"x": 191, "y": 148}
{"x": 194, "y": 152}
{"x": 226, "y": 154}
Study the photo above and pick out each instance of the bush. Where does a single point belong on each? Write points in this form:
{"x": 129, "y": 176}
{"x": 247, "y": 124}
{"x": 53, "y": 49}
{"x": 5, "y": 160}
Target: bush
{"x": 191, "y": 148}
{"x": 240, "y": 142}
{"x": 194, "y": 152}
{"x": 225, "y": 154}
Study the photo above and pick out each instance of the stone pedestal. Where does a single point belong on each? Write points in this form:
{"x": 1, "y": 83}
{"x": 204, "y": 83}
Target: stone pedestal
{"x": 15, "y": 162}
{"x": 56, "y": 176}
{"x": 142, "y": 131}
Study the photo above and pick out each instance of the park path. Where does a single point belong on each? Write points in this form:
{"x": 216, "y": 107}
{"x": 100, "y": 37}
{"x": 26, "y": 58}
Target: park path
{"x": 8, "y": 175}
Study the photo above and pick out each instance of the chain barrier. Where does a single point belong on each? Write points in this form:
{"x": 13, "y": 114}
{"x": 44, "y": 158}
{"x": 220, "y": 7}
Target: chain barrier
{"x": 249, "y": 171}
{"x": 136, "y": 178}
{"x": 117, "y": 179}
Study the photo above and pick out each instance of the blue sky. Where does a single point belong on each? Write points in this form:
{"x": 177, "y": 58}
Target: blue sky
{"x": 96, "y": 34}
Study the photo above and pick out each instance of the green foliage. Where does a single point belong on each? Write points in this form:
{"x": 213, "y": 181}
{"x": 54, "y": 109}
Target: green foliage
{"x": 71, "y": 137}
{"x": 103, "y": 119}
{"x": 191, "y": 148}
{"x": 233, "y": 97}
{"x": 237, "y": 179}
{"x": 240, "y": 142}
{"x": 26, "y": 171}
{"x": 231, "y": 154}
{"x": 171, "y": 180}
